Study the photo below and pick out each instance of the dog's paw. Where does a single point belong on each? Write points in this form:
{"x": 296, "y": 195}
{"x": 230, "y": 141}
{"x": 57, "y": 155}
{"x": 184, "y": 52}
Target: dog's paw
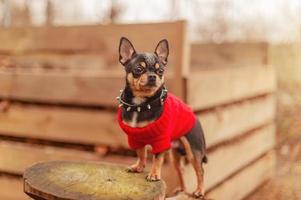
{"x": 198, "y": 194}
{"x": 153, "y": 177}
{"x": 135, "y": 169}
{"x": 178, "y": 190}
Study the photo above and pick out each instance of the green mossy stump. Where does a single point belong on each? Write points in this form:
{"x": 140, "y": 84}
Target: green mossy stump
{"x": 63, "y": 180}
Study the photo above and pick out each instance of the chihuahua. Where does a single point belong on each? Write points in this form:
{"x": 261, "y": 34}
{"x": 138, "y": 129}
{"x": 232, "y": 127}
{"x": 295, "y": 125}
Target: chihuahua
{"x": 150, "y": 115}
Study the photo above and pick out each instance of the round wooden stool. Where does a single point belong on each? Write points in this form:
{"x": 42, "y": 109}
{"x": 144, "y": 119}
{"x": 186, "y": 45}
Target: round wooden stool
{"x": 63, "y": 180}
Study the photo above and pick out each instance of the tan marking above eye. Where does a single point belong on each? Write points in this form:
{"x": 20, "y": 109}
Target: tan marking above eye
{"x": 157, "y": 65}
{"x": 143, "y": 64}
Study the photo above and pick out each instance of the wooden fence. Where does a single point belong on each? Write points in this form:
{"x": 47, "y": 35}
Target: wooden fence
{"x": 59, "y": 87}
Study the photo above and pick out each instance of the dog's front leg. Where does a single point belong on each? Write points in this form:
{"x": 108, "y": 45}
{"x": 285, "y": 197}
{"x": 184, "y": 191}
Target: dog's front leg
{"x": 139, "y": 166}
{"x": 155, "y": 173}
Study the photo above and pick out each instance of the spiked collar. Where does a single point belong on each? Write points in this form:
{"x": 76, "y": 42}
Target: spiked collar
{"x": 143, "y": 106}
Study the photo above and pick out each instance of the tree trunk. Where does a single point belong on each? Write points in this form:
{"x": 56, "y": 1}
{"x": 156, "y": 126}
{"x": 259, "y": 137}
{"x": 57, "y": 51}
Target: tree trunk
{"x": 63, "y": 180}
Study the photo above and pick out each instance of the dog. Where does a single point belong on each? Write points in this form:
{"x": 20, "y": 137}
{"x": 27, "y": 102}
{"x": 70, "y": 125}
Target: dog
{"x": 150, "y": 115}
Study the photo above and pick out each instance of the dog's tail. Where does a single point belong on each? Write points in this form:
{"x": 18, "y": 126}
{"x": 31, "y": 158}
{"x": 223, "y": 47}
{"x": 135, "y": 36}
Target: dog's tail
{"x": 205, "y": 159}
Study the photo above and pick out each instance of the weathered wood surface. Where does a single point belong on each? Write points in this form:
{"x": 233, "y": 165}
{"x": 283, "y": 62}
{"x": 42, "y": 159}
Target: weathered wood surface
{"x": 15, "y": 157}
{"x": 226, "y": 122}
{"x": 286, "y": 60}
{"x": 228, "y": 159}
{"x": 218, "y": 86}
{"x": 246, "y": 181}
{"x": 78, "y": 89}
{"x": 249, "y": 148}
{"x": 82, "y": 180}
{"x": 252, "y": 176}
{"x": 94, "y": 89}
{"x": 209, "y": 88}
{"x": 100, "y": 127}
{"x": 52, "y": 61}
{"x": 208, "y": 56}
{"x": 33, "y": 46}
{"x": 62, "y": 124}
{"x": 12, "y": 189}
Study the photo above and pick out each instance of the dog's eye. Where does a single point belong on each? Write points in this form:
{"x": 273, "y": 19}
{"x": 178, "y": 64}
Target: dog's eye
{"x": 160, "y": 71}
{"x": 138, "y": 70}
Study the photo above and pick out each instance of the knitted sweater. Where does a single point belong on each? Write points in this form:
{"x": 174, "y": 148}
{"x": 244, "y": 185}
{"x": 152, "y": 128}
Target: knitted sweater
{"x": 176, "y": 120}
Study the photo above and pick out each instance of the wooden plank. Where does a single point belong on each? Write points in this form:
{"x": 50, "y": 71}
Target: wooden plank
{"x": 205, "y": 56}
{"x": 12, "y": 189}
{"x": 229, "y": 158}
{"x": 62, "y": 124}
{"x": 236, "y": 187}
{"x": 103, "y": 39}
{"x": 86, "y": 38}
{"x": 181, "y": 65}
{"x": 246, "y": 181}
{"x": 17, "y": 156}
{"x": 79, "y": 88}
{"x": 287, "y": 60}
{"x": 68, "y": 88}
{"x": 100, "y": 127}
{"x": 81, "y": 62}
{"x": 216, "y": 86}
{"x": 227, "y": 122}
{"x": 209, "y": 88}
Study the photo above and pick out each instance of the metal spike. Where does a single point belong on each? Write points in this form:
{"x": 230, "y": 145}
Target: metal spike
{"x": 120, "y": 91}
{"x": 149, "y": 106}
{"x": 120, "y": 105}
{"x": 118, "y": 98}
{"x": 162, "y": 101}
{"x": 138, "y": 109}
{"x": 128, "y": 109}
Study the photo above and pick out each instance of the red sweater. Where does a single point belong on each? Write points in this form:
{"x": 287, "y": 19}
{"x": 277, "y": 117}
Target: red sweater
{"x": 176, "y": 120}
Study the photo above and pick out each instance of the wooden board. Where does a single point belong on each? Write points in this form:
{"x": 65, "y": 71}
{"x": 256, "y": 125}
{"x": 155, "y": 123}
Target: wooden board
{"x": 208, "y": 56}
{"x": 19, "y": 156}
{"x": 287, "y": 60}
{"x": 205, "y": 89}
{"x": 224, "y": 123}
{"x": 12, "y": 189}
{"x": 236, "y": 187}
{"x": 81, "y": 62}
{"x": 101, "y": 39}
{"x": 71, "y": 125}
{"x": 15, "y": 157}
{"x": 94, "y": 89}
{"x": 77, "y": 89}
{"x": 100, "y": 127}
{"x": 246, "y": 181}
{"x": 209, "y": 88}
{"x": 231, "y": 157}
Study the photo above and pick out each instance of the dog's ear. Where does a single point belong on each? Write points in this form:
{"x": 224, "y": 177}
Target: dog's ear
{"x": 162, "y": 51}
{"x": 126, "y": 50}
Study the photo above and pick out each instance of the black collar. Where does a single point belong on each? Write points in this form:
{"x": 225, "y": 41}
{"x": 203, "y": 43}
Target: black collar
{"x": 143, "y": 106}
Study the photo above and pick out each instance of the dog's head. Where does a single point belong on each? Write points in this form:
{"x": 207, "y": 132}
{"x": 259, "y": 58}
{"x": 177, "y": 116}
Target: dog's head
{"x": 144, "y": 71}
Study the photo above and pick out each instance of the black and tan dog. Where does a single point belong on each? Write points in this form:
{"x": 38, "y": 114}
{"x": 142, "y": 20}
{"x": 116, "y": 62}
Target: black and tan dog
{"x": 143, "y": 103}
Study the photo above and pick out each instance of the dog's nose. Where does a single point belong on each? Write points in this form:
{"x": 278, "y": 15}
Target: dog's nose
{"x": 152, "y": 78}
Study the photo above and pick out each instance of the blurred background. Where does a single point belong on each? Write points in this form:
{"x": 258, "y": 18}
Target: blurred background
{"x": 214, "y": 21}
{"x": 236, "y": 63}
